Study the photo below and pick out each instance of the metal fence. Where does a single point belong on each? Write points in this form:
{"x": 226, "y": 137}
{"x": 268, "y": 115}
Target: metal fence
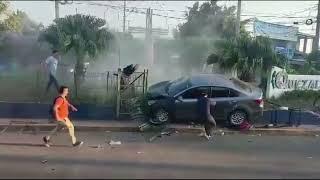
{"x": 28, "y": 84}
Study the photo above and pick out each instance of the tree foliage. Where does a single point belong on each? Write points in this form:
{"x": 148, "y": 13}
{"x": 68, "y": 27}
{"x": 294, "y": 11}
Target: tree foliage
{"x": 205, "y": 24}
{"x": 85, "y": 35}
{"x": 312, "y": 65}
{"x": 248, "y": 55}
{"x": 209, "y": 20}
{"x": 17, "y": 21}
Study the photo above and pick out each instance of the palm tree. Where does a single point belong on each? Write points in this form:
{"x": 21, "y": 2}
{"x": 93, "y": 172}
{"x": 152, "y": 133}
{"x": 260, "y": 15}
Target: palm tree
{"x": 84, "y": 34}
{"x": 245, "y": 54}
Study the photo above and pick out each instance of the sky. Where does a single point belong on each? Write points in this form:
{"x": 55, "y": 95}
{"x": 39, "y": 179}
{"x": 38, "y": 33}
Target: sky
{"x": 43, "y": 11}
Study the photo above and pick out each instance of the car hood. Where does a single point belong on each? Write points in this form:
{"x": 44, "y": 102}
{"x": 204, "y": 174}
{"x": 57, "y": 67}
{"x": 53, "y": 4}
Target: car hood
{"x": 158, "y": 89}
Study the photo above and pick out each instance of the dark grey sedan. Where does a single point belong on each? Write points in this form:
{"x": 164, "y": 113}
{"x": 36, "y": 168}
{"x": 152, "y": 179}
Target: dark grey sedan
{"x": 236, "y": 101}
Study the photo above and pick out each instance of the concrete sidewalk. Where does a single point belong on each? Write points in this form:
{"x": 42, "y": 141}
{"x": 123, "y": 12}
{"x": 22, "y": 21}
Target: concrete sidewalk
{"x": 133, "y": 126}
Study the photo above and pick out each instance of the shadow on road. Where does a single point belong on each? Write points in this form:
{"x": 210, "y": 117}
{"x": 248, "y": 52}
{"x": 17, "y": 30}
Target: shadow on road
{"x": 30, "y": 145}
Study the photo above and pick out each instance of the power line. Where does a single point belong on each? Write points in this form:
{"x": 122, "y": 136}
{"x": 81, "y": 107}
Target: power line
{"x": 304, "y": 10}
{"x": 297, "y": 12}
{"x": 273, "y": 16}
{"x": 136, "y": 10}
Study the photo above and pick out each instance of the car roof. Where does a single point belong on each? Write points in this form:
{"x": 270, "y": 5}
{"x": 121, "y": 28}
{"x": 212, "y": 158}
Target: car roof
{"x": 211, "y": 80}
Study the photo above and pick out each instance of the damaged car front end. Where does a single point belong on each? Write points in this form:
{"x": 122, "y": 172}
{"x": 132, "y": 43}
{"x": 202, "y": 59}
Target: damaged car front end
{"x": 161, "y": 100}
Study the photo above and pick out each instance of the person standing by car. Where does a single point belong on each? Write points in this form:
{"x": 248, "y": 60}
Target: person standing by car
{"x": 51, "y": 66}
{"x": 60, "y": 111}
{"x": 204, "y": 114}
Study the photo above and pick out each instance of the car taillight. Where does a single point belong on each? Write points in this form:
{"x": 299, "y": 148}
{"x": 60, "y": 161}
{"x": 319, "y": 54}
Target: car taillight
{"x": 259, "y": 102}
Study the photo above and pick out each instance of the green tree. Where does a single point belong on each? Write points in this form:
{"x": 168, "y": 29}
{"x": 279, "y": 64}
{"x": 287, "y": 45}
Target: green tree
{"x": 312, "y": 65}
{"x": 28, "y": 26}
{"x": 11, "y": 21}
{"x": 209, "y": 20}
{"x": 205, "y": 24}
{"x": 4, "y": 5}
{"x": 17, "y": 21}
{"x": 84, "y": 34}
{"x": 248, "y": 55}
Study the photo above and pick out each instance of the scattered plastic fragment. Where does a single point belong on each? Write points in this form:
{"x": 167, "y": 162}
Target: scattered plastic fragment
{"x": 115, "y": 142}
{"x": 166, "y": 133}
{"x": 97, "y": 146}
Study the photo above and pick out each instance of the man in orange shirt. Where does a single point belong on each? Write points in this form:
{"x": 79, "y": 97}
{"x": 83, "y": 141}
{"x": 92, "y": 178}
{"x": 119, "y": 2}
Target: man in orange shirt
{"x": 61, "y": 114}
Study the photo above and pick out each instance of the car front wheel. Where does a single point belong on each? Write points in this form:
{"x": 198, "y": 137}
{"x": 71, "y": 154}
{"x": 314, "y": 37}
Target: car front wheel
{"x": 237, "y": 117}
{"x": 161, "y": 116}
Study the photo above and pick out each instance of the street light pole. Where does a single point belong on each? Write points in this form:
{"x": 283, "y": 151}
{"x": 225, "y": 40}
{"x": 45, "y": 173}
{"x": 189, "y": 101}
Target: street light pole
{"x": 315, "y": 44}
{"x": 56, "y": 7}
{"x": 124, "y": 16}
{"x": 238, "y": 18}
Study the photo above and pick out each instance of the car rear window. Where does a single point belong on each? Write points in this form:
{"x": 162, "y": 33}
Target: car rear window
{"x": 241, "y": 85}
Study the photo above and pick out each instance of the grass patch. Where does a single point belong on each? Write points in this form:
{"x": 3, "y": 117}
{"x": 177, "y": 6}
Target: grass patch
{"x": 298, "y": 99}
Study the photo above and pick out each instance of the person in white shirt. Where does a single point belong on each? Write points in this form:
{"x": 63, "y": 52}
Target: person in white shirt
{"x": 51, "y": 65}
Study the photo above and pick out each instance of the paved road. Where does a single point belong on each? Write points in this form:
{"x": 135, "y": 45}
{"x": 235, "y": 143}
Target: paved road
{"x": 176, "y": 156}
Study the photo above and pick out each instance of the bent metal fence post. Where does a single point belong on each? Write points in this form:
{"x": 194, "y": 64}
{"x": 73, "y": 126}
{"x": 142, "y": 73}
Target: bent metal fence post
{"x": 118, "y": 93}
{"x": 128, "y": 88}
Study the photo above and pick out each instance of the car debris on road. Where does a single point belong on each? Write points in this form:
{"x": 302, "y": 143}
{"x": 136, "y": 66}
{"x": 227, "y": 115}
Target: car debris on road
{"x": 114, "y": 142}
{"x": 97, "y": 146}
{"x": 44, "y": 161}
{"x": 159, "y": 135}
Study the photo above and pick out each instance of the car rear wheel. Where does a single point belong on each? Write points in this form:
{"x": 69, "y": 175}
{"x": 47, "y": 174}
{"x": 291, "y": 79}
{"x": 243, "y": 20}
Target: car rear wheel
{"x": 161, "y": 116}
{"x": 237, "y": 117}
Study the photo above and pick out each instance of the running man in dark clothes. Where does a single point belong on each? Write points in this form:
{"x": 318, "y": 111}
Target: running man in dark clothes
{"x": 204, "y": 114}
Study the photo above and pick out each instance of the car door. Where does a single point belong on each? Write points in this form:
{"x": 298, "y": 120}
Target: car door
{"x": 220, "y": 95}
{"x": 186, "y": 104}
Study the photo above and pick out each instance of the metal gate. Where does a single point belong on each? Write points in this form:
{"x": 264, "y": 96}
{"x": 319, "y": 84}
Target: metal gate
{"x": 129, "y": 88}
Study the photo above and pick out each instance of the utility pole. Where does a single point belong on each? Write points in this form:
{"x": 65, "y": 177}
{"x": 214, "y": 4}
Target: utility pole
{"x": 128, "y": 23}
{"x": 238, "y": 18}
{"x": 148, "y": 37}
{"x": 56, "y": 6}
{"x": 124, "y": 16}
{"x": 315, "y": 44}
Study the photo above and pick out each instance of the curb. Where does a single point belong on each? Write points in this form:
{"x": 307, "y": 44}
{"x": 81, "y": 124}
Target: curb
{"x": 179, "y": 129}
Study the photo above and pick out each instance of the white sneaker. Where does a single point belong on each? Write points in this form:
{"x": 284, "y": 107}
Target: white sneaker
{"x": 207, "y": 137}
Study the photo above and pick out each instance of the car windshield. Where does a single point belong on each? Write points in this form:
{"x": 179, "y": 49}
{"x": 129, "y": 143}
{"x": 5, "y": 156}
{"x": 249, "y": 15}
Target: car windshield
{"x": 241, "y": 85}
{"x": 178, "y": 85}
